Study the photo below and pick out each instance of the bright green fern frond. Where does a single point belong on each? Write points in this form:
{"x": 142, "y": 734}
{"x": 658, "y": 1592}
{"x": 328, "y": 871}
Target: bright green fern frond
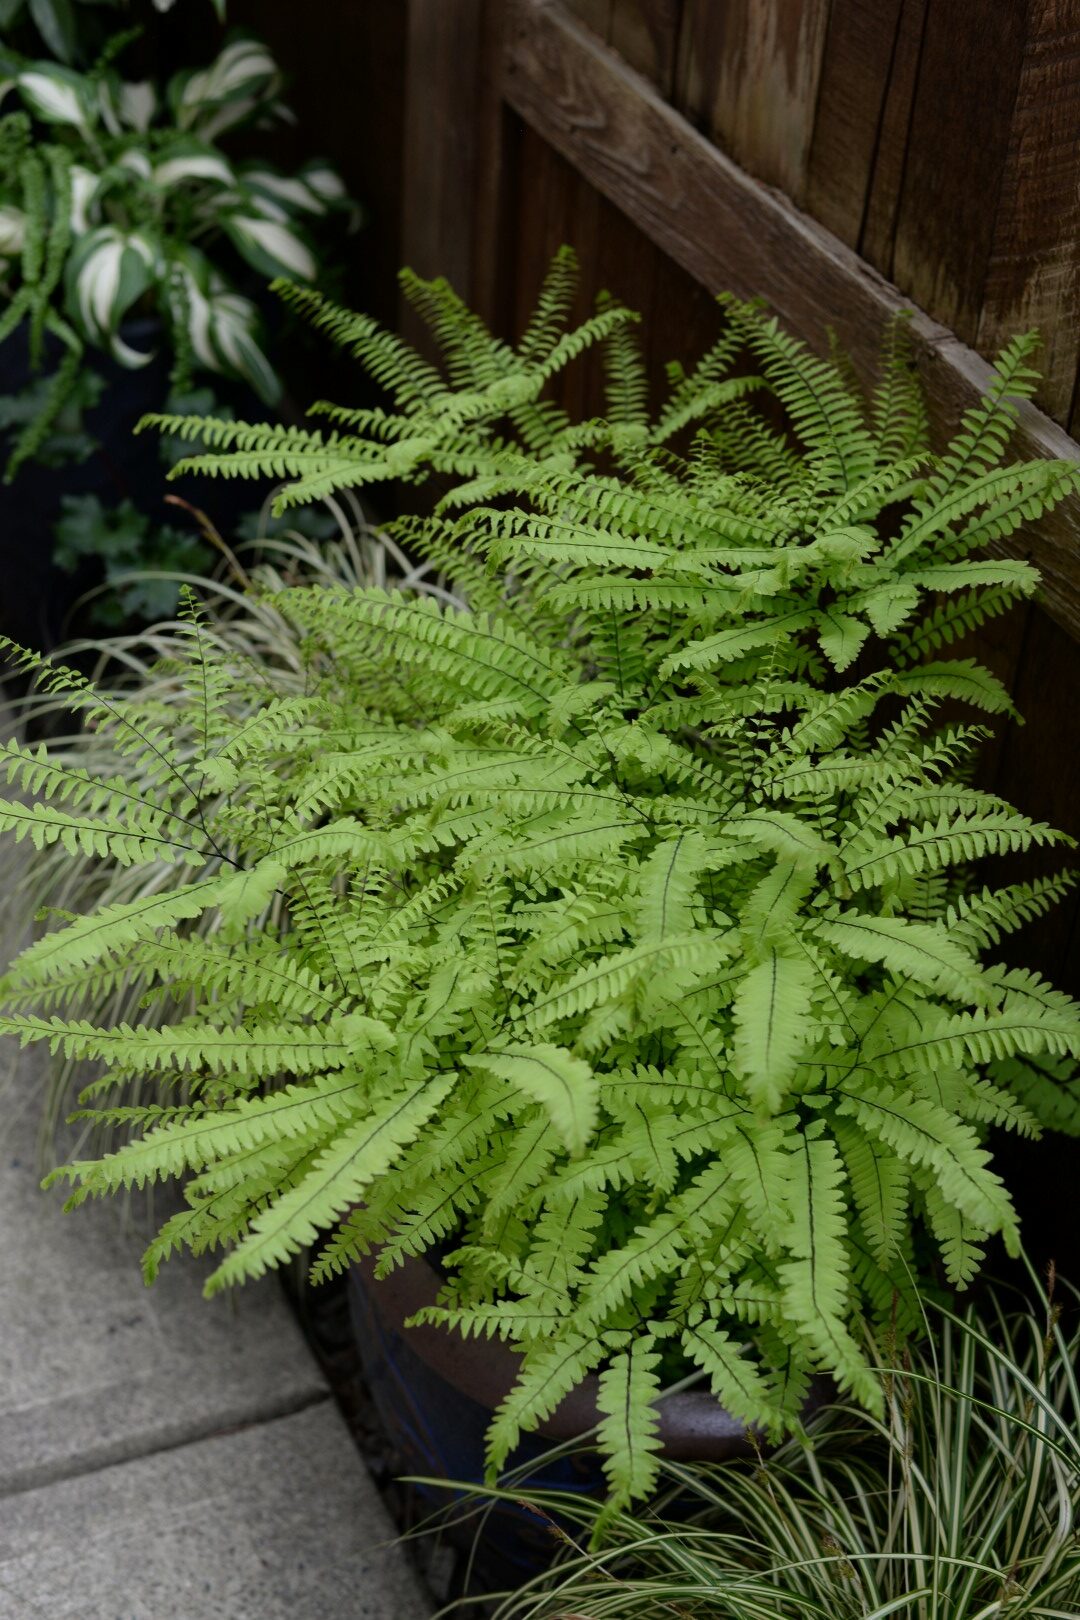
{"x": 629, "y": 1424}
{"x": 826, "y": 417}
{"x": 815, "y": 1280}
{"x": 597, "y": 896}
{"x": 773, "y": 1025}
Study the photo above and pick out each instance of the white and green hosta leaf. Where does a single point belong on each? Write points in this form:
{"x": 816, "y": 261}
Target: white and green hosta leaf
{"x": 55, "y": 21}
{"x": 138, "y": 104}
{"x": 57, "y": 95}
{"x": 84, "y": 190}
{"x": 281, "y": 195}
{"x": 271, "y": 246}
{"x": 211, "y": 100}
{"x": 323, "y": 181}
{"x": 223, "y": 326}
{"x": 219, "y": 7}
{"x": 137, "y": 160}
{"x": 232, "y": 325}
{"x": 187, "y": 160}
{"x": 108, "y": 273}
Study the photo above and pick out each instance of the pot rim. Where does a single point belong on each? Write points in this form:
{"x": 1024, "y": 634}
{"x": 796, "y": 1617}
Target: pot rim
{"x": 694, "y": 1426}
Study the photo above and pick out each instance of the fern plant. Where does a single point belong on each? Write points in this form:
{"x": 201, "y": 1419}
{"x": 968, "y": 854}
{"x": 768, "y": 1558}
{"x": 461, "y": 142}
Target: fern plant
{"x": 628, "y": 938}
{"x": 253, "y": 641}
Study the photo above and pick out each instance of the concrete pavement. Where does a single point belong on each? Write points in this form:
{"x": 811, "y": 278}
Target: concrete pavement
{"x": 163, "y": 1457}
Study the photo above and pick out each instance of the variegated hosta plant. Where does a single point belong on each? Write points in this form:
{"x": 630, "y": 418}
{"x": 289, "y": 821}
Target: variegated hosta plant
{"x": 630, "y": 939}
{"x": 117, "y": 198}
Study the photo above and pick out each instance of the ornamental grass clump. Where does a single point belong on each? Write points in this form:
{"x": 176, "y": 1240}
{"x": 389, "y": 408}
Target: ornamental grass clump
{"x": 138, "y": 672}
{"x": 628, "y": 941}
{"x": 959, "y": 1503}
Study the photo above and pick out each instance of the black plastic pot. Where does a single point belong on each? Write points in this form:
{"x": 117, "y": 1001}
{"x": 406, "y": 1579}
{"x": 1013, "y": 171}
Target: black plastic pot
{"x": 435, "y": 1392}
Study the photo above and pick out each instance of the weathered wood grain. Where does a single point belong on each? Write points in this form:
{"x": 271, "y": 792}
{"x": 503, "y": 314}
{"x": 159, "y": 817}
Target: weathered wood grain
{"x": 748, "y": 77}
{"x": 646, "y": 34}
{"x": 857, "y": 63}
{"x": 878, "y": 235}
{"x": 1033, "y": 274}
{"x": 987, "y": 238}
{"x": 731, "y": 232}
{"x": 954, "y": 155}
{"x": 454, "y": 174}
{"x": 595, "y": 14}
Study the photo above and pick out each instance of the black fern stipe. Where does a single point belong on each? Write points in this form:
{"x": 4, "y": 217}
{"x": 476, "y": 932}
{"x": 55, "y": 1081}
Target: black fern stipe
{"x": 614, "y": 913}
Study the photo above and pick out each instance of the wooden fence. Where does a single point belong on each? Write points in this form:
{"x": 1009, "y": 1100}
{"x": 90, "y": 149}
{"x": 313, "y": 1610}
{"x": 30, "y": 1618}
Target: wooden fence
{"x": 841, "y": 158}
{"x": 838, "y": 157}
{"x": 805, "y": 152}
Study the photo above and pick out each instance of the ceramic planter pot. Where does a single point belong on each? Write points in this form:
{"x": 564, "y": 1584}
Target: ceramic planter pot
{"x": 435, "y": 1393}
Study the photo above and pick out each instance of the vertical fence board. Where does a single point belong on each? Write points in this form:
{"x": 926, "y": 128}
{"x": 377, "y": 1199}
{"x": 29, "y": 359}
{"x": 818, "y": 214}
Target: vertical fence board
{"x": 544, "y": 196}
{"x": 1039, "y": 771}
{"x": 554, "y": 206}
{"x": 999, "y": 644}
{"x": 748, "y": 76}
{"x": 681, "y": 322}
{"x": 455, "y": 123}
{"x": 646, "y": 33}
{"x": 1033, "y": 278}
{"x": 1037, "y": 767}
{"x": 595, "y": 14}
{"x": 494, "y": 168}
{"x": 878, "y": 236}
{"x": 441, "y": 136}
{"x": 969, "y": 68}
{"x": 857, "y": 65}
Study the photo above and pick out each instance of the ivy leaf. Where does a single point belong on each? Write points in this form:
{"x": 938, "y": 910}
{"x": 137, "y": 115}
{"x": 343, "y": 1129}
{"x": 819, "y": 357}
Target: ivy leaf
{"x": 87, "y": 528}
